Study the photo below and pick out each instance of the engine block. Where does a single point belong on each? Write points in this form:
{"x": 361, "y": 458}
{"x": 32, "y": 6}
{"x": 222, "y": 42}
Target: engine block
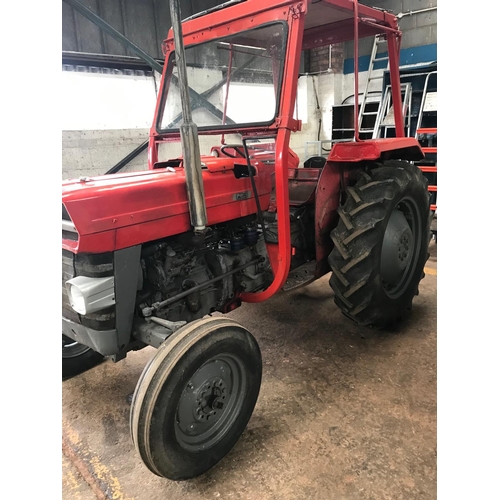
{"x": 178, "y": 264}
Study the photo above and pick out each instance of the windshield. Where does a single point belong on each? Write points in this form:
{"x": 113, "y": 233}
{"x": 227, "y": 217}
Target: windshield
{"x": 234, "y": 81}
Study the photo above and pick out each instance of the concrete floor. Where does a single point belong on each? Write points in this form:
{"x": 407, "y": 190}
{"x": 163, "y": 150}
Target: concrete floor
{"x": 344, "y": 412}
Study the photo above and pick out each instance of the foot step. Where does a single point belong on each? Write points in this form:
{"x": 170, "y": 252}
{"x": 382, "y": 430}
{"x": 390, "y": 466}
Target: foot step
{"x": 300, "y": 276}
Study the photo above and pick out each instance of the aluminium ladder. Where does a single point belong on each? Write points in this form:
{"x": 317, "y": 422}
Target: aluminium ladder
{"x": 381, "y": 60}
{"x": 385, "y": 116}
{"x": 375, "y": 58}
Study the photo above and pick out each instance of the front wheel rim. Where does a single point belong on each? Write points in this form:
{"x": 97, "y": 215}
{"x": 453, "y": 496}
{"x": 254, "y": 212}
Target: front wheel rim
{"x": 400, "y": 248}
{"x": 72, "y": 349}
{"x": 210, "y": 402}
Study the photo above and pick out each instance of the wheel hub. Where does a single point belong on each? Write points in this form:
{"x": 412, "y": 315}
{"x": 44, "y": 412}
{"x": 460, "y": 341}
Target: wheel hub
{"x": 210, "y": 402}
{"x": 397, "y": 248}
{"x": 404, "y": 247}
{"x": 211, "y": 399}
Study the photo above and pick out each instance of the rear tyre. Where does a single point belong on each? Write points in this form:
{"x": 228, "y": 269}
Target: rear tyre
{"x": 77, "y": 358}
{"x": 195, "y": 397}
{"x": 381, "y": 244}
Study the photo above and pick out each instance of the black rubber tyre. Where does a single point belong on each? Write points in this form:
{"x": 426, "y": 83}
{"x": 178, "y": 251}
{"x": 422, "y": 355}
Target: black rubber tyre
{"x": 381, "y": 244}
{"x": 77, "y": 358}
{"x": 195, "y": 397}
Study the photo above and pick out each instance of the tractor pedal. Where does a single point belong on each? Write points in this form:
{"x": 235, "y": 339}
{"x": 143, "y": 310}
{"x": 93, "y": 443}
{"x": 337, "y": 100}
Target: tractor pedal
{"x": 300, "y": 276}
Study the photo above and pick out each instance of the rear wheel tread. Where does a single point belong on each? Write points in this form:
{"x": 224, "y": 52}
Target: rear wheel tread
{"x": 357, "y": 239}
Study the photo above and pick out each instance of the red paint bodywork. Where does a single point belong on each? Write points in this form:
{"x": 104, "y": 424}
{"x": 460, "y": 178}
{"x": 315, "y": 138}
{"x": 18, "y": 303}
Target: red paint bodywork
{"x": 117, "y": 211}
{"x": 374, "y": 149}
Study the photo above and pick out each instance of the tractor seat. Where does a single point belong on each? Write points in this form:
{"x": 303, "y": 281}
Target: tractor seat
{"x": 315, "y": 162}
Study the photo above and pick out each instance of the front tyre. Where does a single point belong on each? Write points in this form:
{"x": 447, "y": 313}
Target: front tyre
{"x": 195, "y": 397}
{"x": 381, "y": 244}
{"x": 77, "y": 358}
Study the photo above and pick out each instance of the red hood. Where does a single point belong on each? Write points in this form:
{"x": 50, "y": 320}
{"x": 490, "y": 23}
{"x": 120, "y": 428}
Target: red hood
{"x": 111, "y": 201}
{"x": 121, "y": 210}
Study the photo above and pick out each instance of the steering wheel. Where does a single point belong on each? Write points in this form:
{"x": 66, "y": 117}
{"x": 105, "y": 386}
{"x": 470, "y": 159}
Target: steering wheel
{"x": 237, "y": 147}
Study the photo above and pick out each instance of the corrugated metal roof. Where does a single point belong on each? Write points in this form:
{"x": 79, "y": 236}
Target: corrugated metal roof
{"x": 144, "y": 22}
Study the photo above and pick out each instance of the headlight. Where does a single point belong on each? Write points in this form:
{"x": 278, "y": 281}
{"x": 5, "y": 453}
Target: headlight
{"x": 89, "y": 295}
{"x": 76, "y": 299}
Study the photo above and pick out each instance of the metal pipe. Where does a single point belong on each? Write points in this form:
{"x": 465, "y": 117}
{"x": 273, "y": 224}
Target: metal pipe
{"x": 411, "y": 12}
{"x": 228, "y": 81}
{"x": 356, "y": 70}
{"x": 369, "y": 22}
{"x": 189, "y": 130}
{"x": 318, "y": 109}
{"x": 229, "y": 69}
{"x": 411, "y": 75}
{"x": 394, "y": 46}
{"x": 254, "y": 189}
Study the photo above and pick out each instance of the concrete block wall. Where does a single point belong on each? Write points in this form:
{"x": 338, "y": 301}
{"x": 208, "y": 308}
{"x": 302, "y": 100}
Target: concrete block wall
{"x": 93, "y": 152}
{"x": 421, "y": 28}
{"x": 418, "y": 29}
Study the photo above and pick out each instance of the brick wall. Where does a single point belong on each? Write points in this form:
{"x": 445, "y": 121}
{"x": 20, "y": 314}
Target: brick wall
{"x": 319, "y": 58}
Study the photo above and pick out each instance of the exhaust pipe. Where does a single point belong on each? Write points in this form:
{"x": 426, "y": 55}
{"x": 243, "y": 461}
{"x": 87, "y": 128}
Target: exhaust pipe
{"x": 189, "y": 131}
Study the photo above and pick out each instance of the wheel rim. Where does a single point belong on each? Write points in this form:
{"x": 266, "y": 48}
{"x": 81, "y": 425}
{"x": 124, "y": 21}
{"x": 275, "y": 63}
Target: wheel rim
{"x": 210, "y": 402}
{"x": 400, "y": 246}
{"x": 71, "y": 348}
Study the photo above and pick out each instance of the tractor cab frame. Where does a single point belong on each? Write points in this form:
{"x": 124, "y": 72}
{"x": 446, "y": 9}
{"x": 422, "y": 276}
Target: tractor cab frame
{"x": 304, "y": 25}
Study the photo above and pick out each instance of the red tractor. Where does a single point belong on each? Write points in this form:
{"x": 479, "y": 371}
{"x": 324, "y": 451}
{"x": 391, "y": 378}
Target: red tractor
{"x": 147, "y": 256}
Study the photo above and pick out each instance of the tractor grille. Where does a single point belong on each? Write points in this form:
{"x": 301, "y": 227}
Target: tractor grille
{"x": 68, "y": 272}
{"x": 68, "y": 229}
{"x": 91, "y": 265}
